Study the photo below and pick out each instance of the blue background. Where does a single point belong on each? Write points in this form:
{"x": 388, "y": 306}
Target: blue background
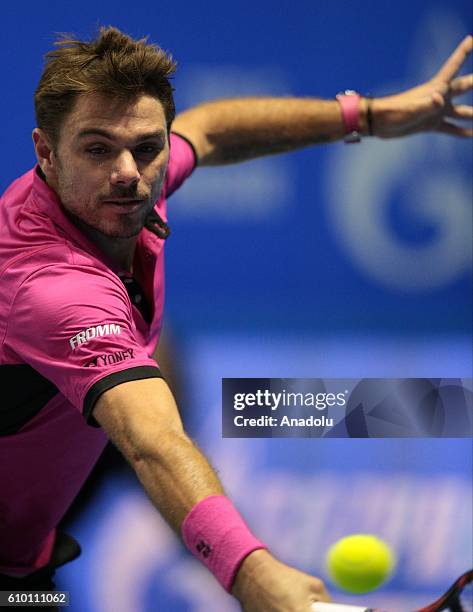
{"x": 333, "y": 261}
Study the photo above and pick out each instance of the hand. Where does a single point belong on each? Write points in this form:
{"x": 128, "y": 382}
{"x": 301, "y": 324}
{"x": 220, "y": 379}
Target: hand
{"x": 263, "y": 584}
{"x": 428, "y": 107}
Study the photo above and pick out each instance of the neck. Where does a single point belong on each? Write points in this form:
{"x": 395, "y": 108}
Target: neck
{"x": 120, "y": 251}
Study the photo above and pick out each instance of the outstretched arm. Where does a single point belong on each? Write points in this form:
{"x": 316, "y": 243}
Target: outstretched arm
{"x": 227, "y": 131}
{"x": 141, "y": 418}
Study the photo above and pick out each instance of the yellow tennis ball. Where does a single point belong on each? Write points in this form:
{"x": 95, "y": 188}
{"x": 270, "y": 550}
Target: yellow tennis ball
{"x": 359, "y": 563}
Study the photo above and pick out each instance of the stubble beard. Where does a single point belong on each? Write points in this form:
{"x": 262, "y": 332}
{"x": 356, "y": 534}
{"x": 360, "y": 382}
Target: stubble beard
{"x": 121, "y": 226}
{"x": 91, "y": 219}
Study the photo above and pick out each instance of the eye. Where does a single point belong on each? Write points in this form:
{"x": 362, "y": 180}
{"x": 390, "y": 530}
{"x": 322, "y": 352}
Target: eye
{"x": 147, "y": 149}
{"x": 96, "y": 151}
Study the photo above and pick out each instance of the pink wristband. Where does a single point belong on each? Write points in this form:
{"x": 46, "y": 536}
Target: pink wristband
{"x": 217, "y": 535}
{"x": 350, "y": 106}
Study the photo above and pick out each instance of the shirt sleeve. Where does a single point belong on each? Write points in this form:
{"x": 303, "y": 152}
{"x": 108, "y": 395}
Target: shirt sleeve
{"x": 74, "y": 325}
{"x": 182, "y": 161}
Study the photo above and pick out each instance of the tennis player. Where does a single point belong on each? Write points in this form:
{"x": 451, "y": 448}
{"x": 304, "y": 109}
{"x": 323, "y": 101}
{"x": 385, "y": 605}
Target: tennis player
{"x": 82, "y": 236}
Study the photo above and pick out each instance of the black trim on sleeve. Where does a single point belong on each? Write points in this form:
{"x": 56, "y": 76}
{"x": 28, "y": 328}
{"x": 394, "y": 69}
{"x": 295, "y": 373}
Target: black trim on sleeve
{"x": 196, "y": 158}
{"x": 112, "y": 380}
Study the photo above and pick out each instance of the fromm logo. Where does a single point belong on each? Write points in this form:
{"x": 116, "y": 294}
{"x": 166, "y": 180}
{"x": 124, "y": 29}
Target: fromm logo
{"x": 93, "y": 332}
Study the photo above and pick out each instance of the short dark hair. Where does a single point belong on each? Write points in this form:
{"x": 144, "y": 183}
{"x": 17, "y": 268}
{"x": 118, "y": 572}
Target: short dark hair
{"x": 112, "y": 64}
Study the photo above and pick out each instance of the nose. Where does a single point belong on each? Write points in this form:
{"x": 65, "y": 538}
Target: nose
{"x": 125, "y": 171}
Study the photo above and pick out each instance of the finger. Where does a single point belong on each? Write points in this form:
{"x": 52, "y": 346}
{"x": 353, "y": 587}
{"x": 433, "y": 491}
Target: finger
{"x": 455, "y": 130}
{"x": 461, "y": 111}
{"x": 461, "y": 85}
{"x": 320, "y": 591}
{"x": 456, "y": 60}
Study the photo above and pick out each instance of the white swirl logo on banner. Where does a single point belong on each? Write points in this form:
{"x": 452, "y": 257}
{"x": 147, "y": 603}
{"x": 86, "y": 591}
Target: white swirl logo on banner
{"x": 440, "y": 195}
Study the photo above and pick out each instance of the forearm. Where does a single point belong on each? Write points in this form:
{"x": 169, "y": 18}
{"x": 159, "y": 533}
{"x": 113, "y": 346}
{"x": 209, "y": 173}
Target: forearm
{"x": 173, "y": 472}
{"x": 176, "y": 477}
{"x": 228, "y": 131}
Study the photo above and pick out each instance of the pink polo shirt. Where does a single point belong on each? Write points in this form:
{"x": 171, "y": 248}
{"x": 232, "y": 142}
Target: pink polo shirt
{"x": 70, "y": 328}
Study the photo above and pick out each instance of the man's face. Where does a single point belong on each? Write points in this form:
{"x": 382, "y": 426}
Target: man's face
{"x": 110, "y": 162}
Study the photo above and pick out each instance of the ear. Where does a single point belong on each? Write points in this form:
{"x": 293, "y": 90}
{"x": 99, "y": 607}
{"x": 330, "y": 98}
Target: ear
{"x": 44, "y": 152}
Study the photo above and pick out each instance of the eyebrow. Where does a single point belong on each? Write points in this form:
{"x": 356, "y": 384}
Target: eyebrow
{"x": 99, "y": 132}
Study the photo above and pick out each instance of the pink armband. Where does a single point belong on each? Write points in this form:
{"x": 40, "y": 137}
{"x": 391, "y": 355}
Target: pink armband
{"x": 349, "y": 101}
{"x": 217, "y": 535}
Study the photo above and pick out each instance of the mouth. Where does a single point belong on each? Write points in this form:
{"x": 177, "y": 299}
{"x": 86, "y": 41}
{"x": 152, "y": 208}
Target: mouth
{"x": 126, "y": 205}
